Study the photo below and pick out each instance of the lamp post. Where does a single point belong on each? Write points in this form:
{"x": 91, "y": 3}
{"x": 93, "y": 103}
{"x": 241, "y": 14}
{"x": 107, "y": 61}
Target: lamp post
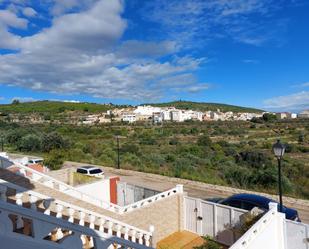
{"x": 279, "y": 149}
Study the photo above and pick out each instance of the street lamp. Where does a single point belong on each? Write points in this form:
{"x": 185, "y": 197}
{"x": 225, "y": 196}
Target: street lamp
{"x": 279, "y": 149}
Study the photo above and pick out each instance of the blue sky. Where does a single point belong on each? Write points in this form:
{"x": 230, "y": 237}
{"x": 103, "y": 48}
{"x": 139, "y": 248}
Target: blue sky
{"x": 243, "y": 52}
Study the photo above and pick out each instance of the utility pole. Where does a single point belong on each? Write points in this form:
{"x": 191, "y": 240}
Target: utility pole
{"x": 118, "y": 152}
{"x": 118, "y": 149}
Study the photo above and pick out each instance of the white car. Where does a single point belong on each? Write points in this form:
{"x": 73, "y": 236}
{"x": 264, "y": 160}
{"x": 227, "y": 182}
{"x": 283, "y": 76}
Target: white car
{"x": 35, "y": 161}
{"x": 90, "y": 171}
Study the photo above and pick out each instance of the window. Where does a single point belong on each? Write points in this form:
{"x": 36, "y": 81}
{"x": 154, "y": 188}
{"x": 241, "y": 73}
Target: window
{"x": 247, "y": 205}
{"x": 95, "y": 171}
{"x": 232, "y": 203}
{"x": 82, "y": 171}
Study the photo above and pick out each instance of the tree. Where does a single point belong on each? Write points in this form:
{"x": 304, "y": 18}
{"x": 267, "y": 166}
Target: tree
{"x": 269, "y": 117}
{"x": 30, "y": 142}
{"x": 52, "y": 141}
{"x": 15, "y": 102}
{"x": 54, "y": 160}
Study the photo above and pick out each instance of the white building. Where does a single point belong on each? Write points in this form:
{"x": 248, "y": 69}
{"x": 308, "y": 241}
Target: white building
{"x": 146, "y": 110}
{"x": 129, "y": 117}
{"x": 157, "y": 117}
{"x": 304, "y": 114}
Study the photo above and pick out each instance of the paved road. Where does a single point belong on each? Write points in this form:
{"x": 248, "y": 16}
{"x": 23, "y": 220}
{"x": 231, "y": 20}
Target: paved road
{"x": 193, "y": 191}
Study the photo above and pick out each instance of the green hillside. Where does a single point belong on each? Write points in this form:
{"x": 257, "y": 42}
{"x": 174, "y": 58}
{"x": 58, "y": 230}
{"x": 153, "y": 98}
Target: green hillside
{"x": 54, "y": 107}
{"x": 200, "y": 106}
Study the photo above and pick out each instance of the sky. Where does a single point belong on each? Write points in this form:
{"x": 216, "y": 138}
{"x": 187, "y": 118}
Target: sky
{"x": 251, "y": 53}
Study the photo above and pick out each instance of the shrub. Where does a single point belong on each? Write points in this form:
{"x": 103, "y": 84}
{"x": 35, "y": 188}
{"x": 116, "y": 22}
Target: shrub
{"x": 30, "y": 143}
{"x": 53, "y": 141}
{"x": 54, "y": 160}
{"x": 204, "y": 141}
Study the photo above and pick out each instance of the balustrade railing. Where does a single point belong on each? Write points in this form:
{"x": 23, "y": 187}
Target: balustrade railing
{"x": 73, "y": 214}
{"x": 61, "y": 186}
{"x": 25, "y": 228}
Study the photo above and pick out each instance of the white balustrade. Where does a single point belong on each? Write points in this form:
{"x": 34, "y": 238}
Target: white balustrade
{"x": 61, "y": 207}
{"x": 61, "y": 186}
{"x": 69, "y": 234}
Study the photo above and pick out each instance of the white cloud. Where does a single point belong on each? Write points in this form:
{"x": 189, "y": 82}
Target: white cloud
{"x": 194, "y": 22}
{"x": 10, "y": 19}
{"x": 198, "y": 88}
{"x": 294, "y": 102}
{"x": 82, "y": 53}
{"x": 29, "y": 12}
{"x": 250, "y": 61}
{"x": 24, "y": 99}
{"x": 305, "y": 84}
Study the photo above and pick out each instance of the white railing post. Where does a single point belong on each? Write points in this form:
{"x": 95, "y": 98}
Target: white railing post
{"x": 59, "y": 209}
{"x": 126, "y": 233}
{"x": 179, "y": 188}
{"x": 81, "y": 218}
{"x": 118, "y": 230}
{"x": 71, "y": 212}
{"x": 273, "y": 206}
{"x": 91, "y": 221}
{"x": 101, "y": 225}
{"x": 133, "y": 235}
{"x": 3, "y": 190}
{"x": 19, "y": 197}
{"x": 110, "y": 227}
{"x": 33, "y": 200}
{"x": 140, "y": 238}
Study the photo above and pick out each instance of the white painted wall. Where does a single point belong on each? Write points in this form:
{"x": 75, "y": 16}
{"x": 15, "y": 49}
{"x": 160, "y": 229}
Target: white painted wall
{"x": 99, "y": 190}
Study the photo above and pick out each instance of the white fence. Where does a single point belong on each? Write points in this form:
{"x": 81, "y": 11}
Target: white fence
{"x": 68, "y": 212}
{"x": 26, "y": 229}
{"x": 63, "y": 187}
{"x": 266, "y": 233}
{"x": 207, "y": 218}
{"x": 296, "y": 235}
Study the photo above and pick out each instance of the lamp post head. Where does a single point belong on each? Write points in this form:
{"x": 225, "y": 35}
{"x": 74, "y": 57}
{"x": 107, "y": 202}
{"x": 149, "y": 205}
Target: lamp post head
{"x": 279, "y": 149}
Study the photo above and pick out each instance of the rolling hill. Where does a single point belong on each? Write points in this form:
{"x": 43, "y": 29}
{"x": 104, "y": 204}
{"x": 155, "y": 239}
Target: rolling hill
{"x": 54, "y": 107}
{"x": 201, "y": 106}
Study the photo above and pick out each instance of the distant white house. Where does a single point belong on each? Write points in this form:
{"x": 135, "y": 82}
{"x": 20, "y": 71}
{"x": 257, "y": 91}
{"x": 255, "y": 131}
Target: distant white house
{"x": 304, "y": 114}
{"x": 129, "y": 117}
{"x": 146, "y": 110}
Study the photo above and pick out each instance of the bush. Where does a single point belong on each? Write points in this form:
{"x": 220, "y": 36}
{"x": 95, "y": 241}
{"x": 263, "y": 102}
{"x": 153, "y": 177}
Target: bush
{"x": 204, "y": 141}
{"x": 30, "y": 143}
{"x": 53, "y": 141}
{"x": 54, "y": 160}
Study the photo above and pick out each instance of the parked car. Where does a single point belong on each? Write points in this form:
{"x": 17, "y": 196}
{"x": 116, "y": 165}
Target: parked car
{"x": 90, "y": 171}
{"x": 249, "y": 201}
{"x": 35, "y": 161}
